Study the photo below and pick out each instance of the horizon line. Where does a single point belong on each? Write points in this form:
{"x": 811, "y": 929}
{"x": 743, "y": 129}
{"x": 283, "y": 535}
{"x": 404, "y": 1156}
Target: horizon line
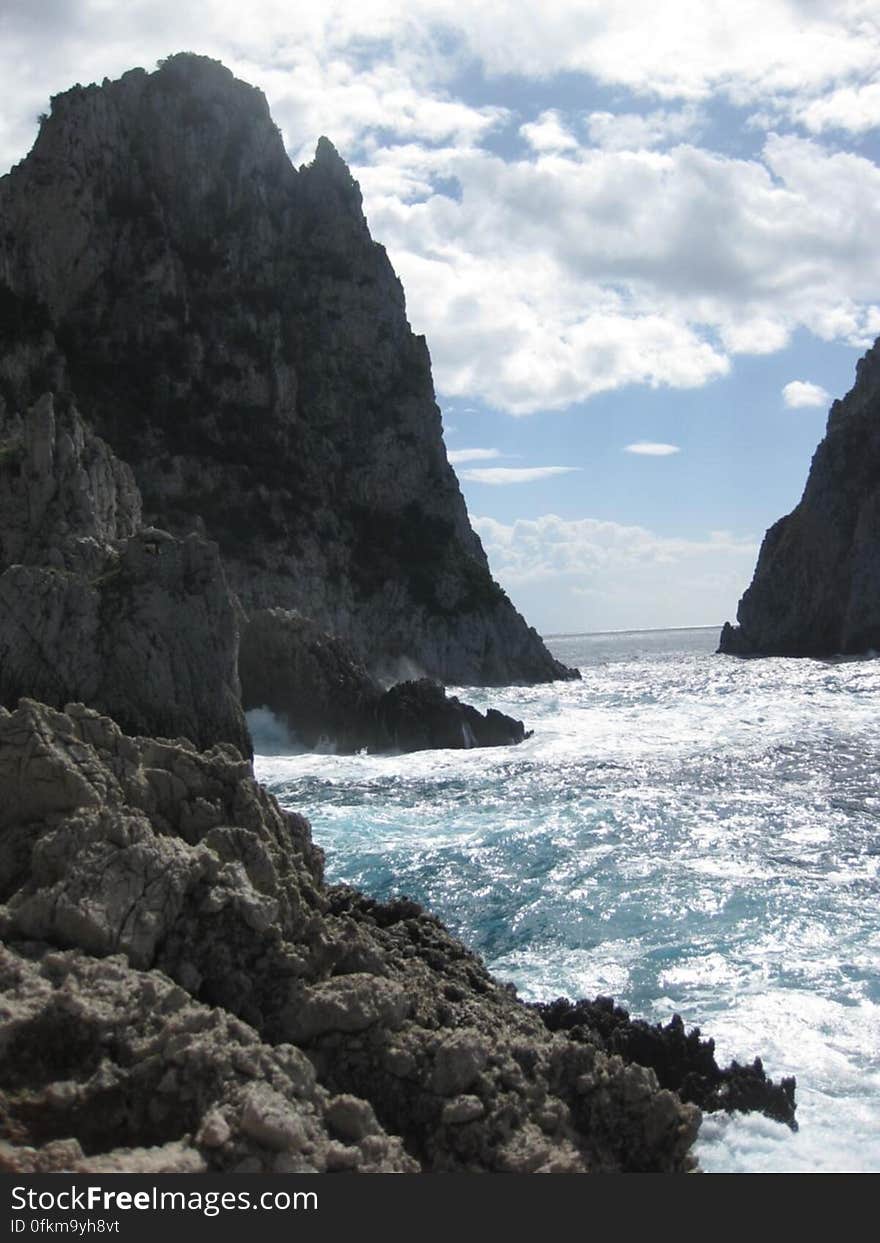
{"x": 579, "y": 634}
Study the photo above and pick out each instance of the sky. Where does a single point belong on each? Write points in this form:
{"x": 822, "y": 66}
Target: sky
{"x": 640, "y": 239}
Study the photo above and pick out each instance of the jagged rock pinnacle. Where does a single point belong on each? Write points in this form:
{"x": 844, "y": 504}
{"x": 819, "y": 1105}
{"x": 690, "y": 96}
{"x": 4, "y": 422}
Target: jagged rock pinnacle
{"x": 229, "y": 327}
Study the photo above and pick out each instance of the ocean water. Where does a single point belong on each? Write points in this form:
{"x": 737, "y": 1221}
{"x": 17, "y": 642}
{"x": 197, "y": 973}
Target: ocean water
{"x": 687, "y": 832}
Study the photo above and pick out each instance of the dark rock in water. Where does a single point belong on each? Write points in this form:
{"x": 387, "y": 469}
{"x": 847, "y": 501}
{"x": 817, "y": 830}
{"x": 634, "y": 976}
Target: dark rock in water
{"x": 733, "y": 641}
{"x": 325, "y": 696}
{"x": 419, "y": 715}
{"x": 230, "y": 328}
{"x": 681, "y": 1060}
{"x": 306, "y": 1028}
{"x": 816, "y": 588}
{"x": 96, "y": 608}
{"x": 307, "y": 678}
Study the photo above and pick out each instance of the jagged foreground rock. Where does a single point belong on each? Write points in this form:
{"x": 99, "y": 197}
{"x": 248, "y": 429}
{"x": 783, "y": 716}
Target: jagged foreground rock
{"x": 682, "y": 1060}
{"x": 228, "y": 326}
{"x": 816, "y": 589}
{"x": 306, "y": 1028}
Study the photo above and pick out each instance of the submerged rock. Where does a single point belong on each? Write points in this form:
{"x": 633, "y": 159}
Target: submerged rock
{"x": 816, "y": 588}
{"x": 324, "y": 695}
{"x": 306, "y": 1028}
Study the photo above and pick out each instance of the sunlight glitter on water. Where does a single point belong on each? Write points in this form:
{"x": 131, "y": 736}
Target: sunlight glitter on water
{"x": 685, "y": 831}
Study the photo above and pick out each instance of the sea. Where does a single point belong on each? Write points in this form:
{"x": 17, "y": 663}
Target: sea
{"x": 687, "y": 832}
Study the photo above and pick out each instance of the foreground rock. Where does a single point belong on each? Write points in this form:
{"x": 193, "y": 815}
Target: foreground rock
{"x": 95, "y": 607}
{"x": 305, "y": 1028}
{"x": 108, "y": 1069}
{"x": 231, "y": 330}
{"x": 816, "y": 588}
{"x": 681, "y": 1060}
{"x": 324, "y": 696}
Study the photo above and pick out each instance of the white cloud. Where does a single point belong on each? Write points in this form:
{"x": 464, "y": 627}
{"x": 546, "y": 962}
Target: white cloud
{"x": 634, "y": 131}
{"x": 338, "y": 61}
{"x": 650, "y": 448}
{"x": 680, "y": 48}
{"x": 502, "y": 475}
{"x": 548, "y": 133}
{"x": 458, "y": 456}
{"x": 535, "y": 549}
{"x": 757, "y": 334}
{"x": 590, "y": 574}
{"x": 556, "y": 278}
{"x": 852, "y": 108}
{"x": 801, "y": 393}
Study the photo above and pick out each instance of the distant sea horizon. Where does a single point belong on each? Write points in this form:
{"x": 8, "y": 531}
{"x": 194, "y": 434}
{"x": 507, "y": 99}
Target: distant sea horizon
{"x": 586, "y": 634}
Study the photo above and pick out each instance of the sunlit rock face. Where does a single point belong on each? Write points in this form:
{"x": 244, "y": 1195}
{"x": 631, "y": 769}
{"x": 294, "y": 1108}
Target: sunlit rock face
{"x": 816, "y": 589}
{"x": 229, "y": 327}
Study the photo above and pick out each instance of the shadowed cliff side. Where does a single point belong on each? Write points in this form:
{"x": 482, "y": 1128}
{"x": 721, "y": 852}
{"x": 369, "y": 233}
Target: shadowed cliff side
{"x": 97, "y": 608}
{"x": 816, "y": 588}
{"x": 235, "y": 334}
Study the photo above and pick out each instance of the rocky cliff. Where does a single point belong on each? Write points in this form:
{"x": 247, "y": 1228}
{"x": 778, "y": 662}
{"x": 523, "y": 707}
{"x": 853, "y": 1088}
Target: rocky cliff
{"x": 230, "y": 329}
{"x": 816, "y": 589}
{"x": 94, "y": 606}
{"x": 179, "y": 990}
{"x": 97, "y": 608}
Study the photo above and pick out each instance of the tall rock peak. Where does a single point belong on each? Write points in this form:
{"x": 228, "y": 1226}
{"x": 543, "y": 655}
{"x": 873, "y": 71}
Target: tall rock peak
{"x": 227, "y": 325}
{"x": 328, "y": 158}
{"x": 816, "y": 588}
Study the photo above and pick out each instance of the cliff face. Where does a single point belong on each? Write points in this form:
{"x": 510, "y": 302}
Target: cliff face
{"x": 97, "y": 608}
{"x": 816, "y": 589}
{"x": 232, "y": 331}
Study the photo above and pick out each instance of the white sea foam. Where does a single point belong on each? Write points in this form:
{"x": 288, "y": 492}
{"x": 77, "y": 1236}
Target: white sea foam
{"x": 684, "y": 831}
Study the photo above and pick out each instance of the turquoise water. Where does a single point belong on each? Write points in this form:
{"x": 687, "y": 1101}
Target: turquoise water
{"x": 685, "y": 831}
